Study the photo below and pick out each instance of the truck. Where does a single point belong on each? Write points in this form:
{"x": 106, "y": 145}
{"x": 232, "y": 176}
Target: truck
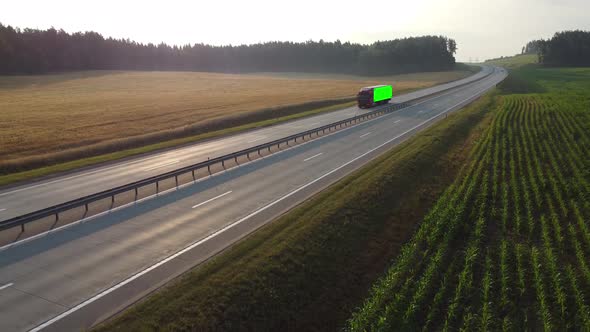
{"x": 374, "y": 95}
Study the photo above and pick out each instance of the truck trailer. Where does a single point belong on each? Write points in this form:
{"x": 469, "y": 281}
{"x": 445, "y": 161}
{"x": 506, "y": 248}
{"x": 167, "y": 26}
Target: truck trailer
{"x": 374, "y": 95}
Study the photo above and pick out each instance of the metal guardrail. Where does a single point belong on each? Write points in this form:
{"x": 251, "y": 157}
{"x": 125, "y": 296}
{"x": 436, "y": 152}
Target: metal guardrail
{"x": 134, "y": 187}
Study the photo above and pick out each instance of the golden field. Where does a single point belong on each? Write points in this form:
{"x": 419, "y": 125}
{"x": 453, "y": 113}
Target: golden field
{"x": 53, "y": 113}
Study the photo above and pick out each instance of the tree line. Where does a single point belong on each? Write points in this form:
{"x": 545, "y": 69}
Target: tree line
{"x": 33, "y": 51}
{"x": 566, "y": 48}
{"x": 532, "y": 47}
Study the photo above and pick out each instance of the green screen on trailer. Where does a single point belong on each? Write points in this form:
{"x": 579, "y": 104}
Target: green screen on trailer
{"x": 382, "y": 92}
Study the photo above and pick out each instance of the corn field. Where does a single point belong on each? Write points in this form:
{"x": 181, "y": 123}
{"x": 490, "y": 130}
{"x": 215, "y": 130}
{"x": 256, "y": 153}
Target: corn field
{"x": 507, "y": 246}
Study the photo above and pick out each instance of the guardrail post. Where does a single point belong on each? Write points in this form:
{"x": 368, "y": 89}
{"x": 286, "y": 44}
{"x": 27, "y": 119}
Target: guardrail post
{"x": 136, "y": 193}
{"x": 56, "y": 217}
{"x": 269, "y": 148}
{"x": 112, "y": 200}
{"x": 258, "y": 152}
{"x": 223, "y": 163}
{"x": 176, "y": 179}
{"x": 194, "y": 178}
{"x": 86, "y": 206}
{"x": 236, "y": 160}
{"x": 209, "y": 169}
{"x": 22, "y": 228}
{"x": 157, "y": 187}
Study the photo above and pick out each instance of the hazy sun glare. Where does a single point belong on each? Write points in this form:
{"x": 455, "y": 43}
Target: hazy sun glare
{"x": 477, "y": 25}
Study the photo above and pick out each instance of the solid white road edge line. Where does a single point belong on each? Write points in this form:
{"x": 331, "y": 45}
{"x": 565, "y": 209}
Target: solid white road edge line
{"x": 316, "y": 155}
{"x": 212, "y": 199}
{"x": 6, "y": 286}
{"x": 214, "y": 234}
{"x": 8, "y": 246}
{"x": 363, "y": 135}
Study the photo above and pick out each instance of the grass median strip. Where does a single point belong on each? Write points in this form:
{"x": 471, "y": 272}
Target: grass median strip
{"x": 309, "y": 269}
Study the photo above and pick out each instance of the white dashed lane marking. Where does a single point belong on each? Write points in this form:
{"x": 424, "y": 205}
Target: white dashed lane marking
{"x": 212, "y": 199}
{"x": 317, "y": 155}
{"x": 6, "y": 286}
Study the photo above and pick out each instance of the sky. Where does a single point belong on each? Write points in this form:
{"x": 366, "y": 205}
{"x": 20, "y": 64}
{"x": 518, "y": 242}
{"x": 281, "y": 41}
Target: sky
{"x": 482, "y": 29}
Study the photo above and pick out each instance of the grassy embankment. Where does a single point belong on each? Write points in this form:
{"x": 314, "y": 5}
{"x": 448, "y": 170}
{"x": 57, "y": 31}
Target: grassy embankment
{"x": 54, "y": 123}
{"x": 311, "y": 268}
{"x": 506, "y": 247}
{"x": 515, "y": 61}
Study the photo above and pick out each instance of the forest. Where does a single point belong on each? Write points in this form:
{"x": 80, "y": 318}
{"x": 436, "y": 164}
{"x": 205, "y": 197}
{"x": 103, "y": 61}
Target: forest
{"x": 33, "y": 51}
{"x": 565, "y": 48}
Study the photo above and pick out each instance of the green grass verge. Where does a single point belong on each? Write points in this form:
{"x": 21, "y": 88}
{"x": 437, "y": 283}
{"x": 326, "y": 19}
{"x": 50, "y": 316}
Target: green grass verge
{"x": 312, "y": 267}
{"x": 71, "y": 165}
{"x": 515, "y": 61}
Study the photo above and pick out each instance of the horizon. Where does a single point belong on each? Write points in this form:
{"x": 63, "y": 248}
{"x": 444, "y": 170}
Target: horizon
{"x": 476, "y": 41}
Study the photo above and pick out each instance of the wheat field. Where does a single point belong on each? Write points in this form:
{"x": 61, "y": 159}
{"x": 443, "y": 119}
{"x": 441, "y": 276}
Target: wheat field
{"x": 50, "y": 113}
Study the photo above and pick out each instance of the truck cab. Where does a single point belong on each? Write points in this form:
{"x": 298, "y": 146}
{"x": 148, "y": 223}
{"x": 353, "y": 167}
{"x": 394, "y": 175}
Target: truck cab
{"x": 365, "y": 97}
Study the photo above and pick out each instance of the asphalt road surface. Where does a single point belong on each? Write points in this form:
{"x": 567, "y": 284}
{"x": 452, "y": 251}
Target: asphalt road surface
{"x": 78, "y": 276}
{"x": 35, "y": 196}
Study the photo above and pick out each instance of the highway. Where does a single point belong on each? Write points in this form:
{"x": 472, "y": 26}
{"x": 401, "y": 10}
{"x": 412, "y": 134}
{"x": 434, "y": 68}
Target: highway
{"x": 35, "y": 196}
{"x": 78, "y": 276}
